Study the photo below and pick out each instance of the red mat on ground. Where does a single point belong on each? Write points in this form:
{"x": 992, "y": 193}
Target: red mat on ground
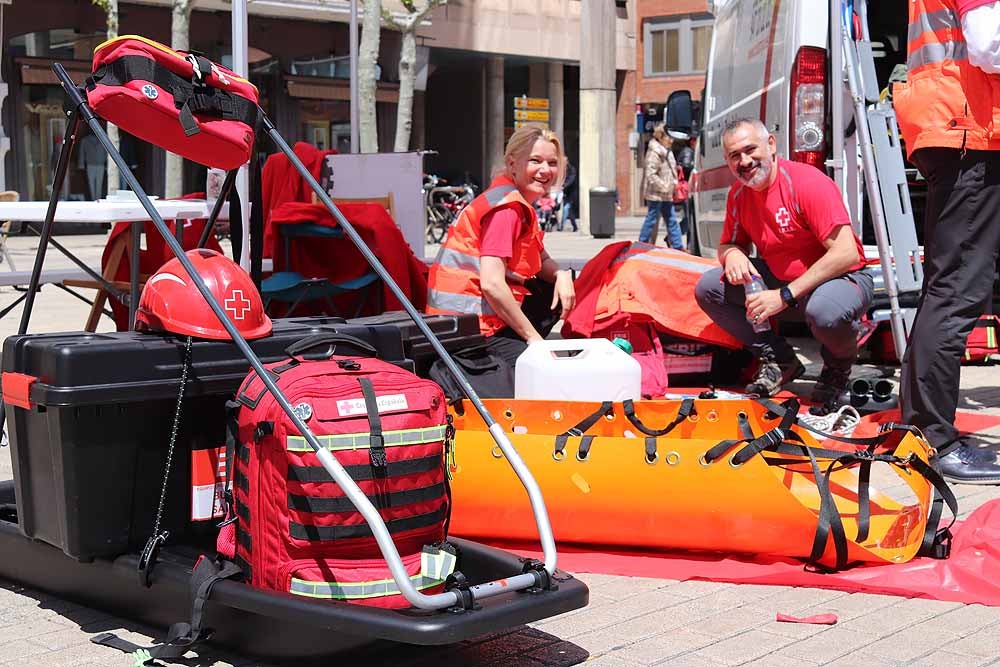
{"x": 970, "y": 575}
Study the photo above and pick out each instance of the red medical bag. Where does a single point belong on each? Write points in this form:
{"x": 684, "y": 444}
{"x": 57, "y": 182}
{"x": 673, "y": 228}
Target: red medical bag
{"x": 296, "y": 531}
{"x": 179, "y": 101}
{"x": 982, "y": 341}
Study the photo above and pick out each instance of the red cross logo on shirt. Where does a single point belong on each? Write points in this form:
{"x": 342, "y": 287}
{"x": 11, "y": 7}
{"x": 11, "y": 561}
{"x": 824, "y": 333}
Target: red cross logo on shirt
{"x": 238, "y": 305}
{"x": 784, "y": 220}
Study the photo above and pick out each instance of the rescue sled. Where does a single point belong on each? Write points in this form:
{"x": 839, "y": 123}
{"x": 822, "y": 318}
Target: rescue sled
{"x": 711, "y": 475}
{"x": 63, "y": 526}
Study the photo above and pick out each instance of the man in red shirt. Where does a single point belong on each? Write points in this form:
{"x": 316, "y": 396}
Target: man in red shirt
{"x": 810, "y": 261}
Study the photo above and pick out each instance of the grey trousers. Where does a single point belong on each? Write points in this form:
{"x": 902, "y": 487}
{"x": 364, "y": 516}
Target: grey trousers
{"x": 832, "y": 311}
{"x": 961, "y": 245}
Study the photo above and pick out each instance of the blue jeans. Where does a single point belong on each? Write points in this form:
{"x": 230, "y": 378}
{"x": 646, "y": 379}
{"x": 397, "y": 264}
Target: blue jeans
{"x": 650, "y": 226}
{"x": 567, "y": 214}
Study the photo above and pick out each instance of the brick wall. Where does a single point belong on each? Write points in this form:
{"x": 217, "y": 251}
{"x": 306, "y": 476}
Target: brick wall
{"x": 647, "y": 90}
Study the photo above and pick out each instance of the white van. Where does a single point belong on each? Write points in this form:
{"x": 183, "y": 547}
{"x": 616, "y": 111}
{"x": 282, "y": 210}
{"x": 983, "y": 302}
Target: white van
{"x": 771, "y": 60}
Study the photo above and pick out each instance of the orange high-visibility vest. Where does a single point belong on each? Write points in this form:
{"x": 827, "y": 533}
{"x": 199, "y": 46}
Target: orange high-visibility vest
{"x": 946, "y": 102}
{"x": 453, "y": 283}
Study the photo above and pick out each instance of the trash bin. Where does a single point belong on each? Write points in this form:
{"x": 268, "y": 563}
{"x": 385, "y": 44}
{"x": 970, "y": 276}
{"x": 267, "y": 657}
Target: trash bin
{"x": 602, "y": 212}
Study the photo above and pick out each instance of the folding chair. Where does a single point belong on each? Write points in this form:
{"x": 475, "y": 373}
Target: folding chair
{"x": 291, "y": 288}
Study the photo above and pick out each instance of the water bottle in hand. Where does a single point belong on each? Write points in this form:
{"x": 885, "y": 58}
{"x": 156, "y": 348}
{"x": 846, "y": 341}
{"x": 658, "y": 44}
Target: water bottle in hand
{"x": 753, "y": 287}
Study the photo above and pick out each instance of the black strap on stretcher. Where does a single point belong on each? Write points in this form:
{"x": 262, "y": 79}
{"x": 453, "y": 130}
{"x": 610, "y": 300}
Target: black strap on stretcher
{"x": 190, "y": 96}
{"x": 686, "y": 409}
{"x": 580, "y": 430}
{"x": 782, "y": 440}
{"x": 936, "y": 542}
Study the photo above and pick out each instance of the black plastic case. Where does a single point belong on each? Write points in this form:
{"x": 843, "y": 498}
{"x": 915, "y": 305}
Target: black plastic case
{"x": 456, "y": 332}
{"x": 89, "y": 456}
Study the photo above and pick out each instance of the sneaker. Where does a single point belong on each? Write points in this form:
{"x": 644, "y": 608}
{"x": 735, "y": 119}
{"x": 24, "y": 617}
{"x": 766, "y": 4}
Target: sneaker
{"x": 831, "y": 384}
{"x": 772, "y": 376}
{"x": 842, "y": 422}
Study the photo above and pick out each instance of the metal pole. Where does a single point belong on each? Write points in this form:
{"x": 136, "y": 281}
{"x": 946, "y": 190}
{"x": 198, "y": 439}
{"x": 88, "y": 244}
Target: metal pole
{"x": 875, "y": 200}
{"x": 355, "y": 113}
{"x": 240, "y": 50}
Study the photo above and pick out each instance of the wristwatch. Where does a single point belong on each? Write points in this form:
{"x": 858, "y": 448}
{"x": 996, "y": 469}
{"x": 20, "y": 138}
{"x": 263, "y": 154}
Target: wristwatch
{"x": 788, "y": 298}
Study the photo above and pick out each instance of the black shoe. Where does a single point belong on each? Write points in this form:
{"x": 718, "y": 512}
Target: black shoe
{"x": 966, "y": 464}
{"x": 772, "y": 376}
{"x": 826, "y": 394}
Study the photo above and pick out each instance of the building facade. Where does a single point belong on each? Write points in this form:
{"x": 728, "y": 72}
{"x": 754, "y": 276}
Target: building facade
{"x": 476, "y": 56}
{"x": 672, "y": 39}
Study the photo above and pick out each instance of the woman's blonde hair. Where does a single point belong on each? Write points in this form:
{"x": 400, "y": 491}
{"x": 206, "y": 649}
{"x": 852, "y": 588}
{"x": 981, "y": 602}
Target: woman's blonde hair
{"x": 659, "y": 132}
{"x": 523, "y": 140}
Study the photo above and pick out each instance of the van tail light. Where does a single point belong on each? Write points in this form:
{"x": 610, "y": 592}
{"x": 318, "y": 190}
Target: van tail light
{"x": 808, "y": 106}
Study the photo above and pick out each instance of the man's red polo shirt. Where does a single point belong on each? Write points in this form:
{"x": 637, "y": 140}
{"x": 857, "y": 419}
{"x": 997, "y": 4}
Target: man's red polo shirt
{"x": 790, "y": 220}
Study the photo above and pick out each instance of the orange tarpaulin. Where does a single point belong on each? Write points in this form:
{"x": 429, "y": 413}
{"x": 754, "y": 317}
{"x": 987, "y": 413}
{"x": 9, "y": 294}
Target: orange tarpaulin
{"x": 643, "y": 283}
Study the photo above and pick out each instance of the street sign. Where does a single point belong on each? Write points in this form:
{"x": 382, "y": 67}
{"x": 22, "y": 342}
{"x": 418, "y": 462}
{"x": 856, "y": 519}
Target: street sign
{"x": 531, "y": 103}
{"x": 518, "y": 124}
{"x": 531, "y": 115}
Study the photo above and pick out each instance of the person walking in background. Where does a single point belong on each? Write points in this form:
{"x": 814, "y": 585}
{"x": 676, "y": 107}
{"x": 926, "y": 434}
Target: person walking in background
{"x": 658, "y": 191}
{"x": 948, "y": 113}
{"x": 684, "y": 155}
{"x": 570, "y": 201}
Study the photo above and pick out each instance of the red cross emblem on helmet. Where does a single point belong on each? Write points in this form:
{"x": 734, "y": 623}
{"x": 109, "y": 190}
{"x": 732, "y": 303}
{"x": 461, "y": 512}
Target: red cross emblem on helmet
{"x": 171, "y": 301}
{"x": 238, "y": 305}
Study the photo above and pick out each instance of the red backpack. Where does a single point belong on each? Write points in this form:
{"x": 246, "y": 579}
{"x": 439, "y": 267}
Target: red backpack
{"x": 179, "y": 101}
{"x": 296, "y": 531}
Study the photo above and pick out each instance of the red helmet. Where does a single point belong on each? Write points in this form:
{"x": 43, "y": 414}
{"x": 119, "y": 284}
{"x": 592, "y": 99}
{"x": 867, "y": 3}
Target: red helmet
{"x": 170, "y": 301}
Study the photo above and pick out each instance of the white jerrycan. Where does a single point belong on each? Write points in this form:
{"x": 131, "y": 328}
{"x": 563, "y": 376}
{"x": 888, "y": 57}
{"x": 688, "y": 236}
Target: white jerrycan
{"x": 577, "y": 369}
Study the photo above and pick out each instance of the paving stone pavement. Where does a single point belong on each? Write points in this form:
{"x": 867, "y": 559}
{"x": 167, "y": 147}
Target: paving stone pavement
{"x": 631, "y": 621}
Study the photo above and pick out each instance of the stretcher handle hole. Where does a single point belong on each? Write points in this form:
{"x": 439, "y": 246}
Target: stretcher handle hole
{"x": 558, "y": 454}
{"x": 508, "y": 414}
{"x": 712, "y": 416}
{"x": 693, "y": 417}
{"x": 610, "y": 416}
{"x": 651, "y": 459}
{"x": 742, "y": 415}
{"x": 497, "y": 452}
{"x": 732, "y": 462}
{"x": 557, "y": 415}
{"x": 703, "y": 462}
{"x": 582, "y": 456}
{"x": 673, "y": 458}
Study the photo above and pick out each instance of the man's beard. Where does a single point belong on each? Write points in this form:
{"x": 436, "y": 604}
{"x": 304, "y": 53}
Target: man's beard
{"x": 760, "y": 177}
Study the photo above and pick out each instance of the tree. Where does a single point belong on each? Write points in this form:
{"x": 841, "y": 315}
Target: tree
{"x": 367, "y": 56}
{"x": 110, "y": 8}
{"x": 180, "y": 24}
{"x": 407, "y": 25}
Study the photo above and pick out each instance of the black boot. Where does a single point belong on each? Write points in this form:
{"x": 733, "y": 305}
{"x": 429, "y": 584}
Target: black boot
{"x": 831, "y": 384}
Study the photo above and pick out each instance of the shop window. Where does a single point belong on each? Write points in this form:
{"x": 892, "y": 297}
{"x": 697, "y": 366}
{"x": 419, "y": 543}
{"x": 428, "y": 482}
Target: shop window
{"x": 40, "y": 116}
{"x": 677, "y": 45}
